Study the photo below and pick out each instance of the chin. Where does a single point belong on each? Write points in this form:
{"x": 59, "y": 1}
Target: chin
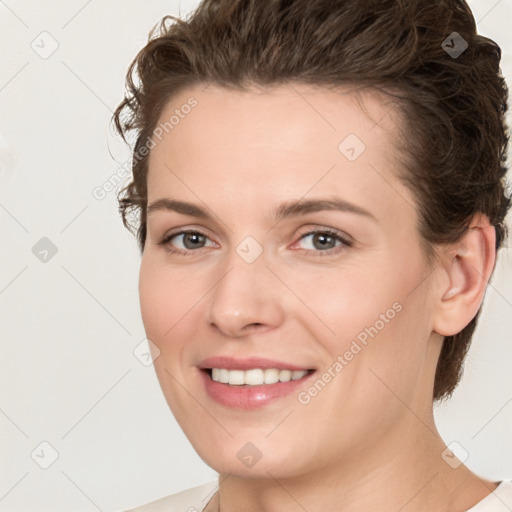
{"x": 240, "y": 457}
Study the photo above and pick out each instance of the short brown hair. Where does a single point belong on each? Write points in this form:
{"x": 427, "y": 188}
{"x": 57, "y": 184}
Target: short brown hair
{"x": 454, "y": 102}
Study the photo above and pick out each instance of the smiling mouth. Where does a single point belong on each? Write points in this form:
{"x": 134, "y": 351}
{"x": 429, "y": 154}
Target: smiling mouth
{"x": 255, "y": 376}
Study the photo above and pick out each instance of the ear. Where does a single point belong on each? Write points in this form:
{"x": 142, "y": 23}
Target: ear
{"x": 467, "y": 267}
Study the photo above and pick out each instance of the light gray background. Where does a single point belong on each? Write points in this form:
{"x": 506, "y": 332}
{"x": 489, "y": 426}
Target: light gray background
{"x": 69, "y": 326}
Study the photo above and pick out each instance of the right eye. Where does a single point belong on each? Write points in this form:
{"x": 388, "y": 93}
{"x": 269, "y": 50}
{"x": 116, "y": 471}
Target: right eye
{"x": 190, "y": 241}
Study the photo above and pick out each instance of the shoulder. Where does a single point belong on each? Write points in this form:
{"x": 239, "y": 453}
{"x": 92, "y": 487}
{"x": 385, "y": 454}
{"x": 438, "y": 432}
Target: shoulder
{"x": 500, "y": 500}
{"x": 189, "y": 500}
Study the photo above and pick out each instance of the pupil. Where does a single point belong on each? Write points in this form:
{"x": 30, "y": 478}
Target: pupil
{"x": 188, "y": 236}
{"x": 322, "y": 238}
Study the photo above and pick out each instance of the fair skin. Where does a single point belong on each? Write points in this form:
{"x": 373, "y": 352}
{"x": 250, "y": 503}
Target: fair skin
{"x": 368, "y": 439}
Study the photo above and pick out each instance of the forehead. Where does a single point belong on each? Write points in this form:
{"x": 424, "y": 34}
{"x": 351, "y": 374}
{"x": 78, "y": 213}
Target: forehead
{"x": 280, "y": 141}
{"x": 286, "y": 115}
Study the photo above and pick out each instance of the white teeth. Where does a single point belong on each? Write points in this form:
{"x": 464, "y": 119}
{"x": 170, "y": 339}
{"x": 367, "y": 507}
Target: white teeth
{"x": 271, "y": 376}
{"x": 223, "y": 376}
{"x": 236, "y": 377}
{"x": 220, "y": 375}
{"x": 256, "y": 376}
{"x": 298, "y": 374}
{"x": 285, "y": 375}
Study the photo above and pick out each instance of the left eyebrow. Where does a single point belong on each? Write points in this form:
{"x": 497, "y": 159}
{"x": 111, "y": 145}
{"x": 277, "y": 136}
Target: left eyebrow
{"x": 283, "y": 211}
{"x": 295, "y": 208}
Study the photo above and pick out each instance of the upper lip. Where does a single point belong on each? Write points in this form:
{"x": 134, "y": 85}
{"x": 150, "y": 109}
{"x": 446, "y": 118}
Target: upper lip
{"x": 232, "y": 363}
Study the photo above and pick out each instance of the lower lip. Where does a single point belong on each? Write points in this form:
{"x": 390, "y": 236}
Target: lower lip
{"x": 250, "y": 397}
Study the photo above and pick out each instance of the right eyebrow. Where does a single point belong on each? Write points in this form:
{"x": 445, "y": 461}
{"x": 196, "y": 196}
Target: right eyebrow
{"x": 179, "y": 207}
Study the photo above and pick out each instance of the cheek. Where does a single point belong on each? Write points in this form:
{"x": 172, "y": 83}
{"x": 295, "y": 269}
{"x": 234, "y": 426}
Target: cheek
{"x": 372, "y": 316}
{"x": 341, "y": 302}
{"x": 164, "y": 300}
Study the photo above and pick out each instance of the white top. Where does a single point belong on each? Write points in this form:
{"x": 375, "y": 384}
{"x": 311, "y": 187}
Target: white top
{"x": 196, "y": 498}
{"x": 499, "y": 500}
{"x": 190, "y": 500}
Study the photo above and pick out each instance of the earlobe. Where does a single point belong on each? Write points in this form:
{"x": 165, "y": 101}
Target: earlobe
{"x": 471, "y": 262}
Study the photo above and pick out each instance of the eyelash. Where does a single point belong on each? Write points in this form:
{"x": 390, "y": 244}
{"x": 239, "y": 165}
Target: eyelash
{"x": 325, "y": 231}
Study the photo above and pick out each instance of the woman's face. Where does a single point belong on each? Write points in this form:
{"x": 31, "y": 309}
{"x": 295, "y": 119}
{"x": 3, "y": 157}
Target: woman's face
{"x": 253, "y": 287}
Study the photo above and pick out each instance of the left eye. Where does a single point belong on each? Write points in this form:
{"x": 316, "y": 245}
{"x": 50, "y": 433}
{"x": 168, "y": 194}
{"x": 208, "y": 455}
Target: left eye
{"x": 323, "y": 240}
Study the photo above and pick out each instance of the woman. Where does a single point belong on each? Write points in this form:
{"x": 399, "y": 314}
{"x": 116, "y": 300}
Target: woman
{"x": 320, "y": 196}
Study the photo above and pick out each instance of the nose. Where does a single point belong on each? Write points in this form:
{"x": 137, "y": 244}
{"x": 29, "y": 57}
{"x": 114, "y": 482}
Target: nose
{"x": 246, "y": 299}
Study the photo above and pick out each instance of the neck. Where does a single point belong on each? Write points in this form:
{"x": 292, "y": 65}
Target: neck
{"x": 405, "y": 472}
